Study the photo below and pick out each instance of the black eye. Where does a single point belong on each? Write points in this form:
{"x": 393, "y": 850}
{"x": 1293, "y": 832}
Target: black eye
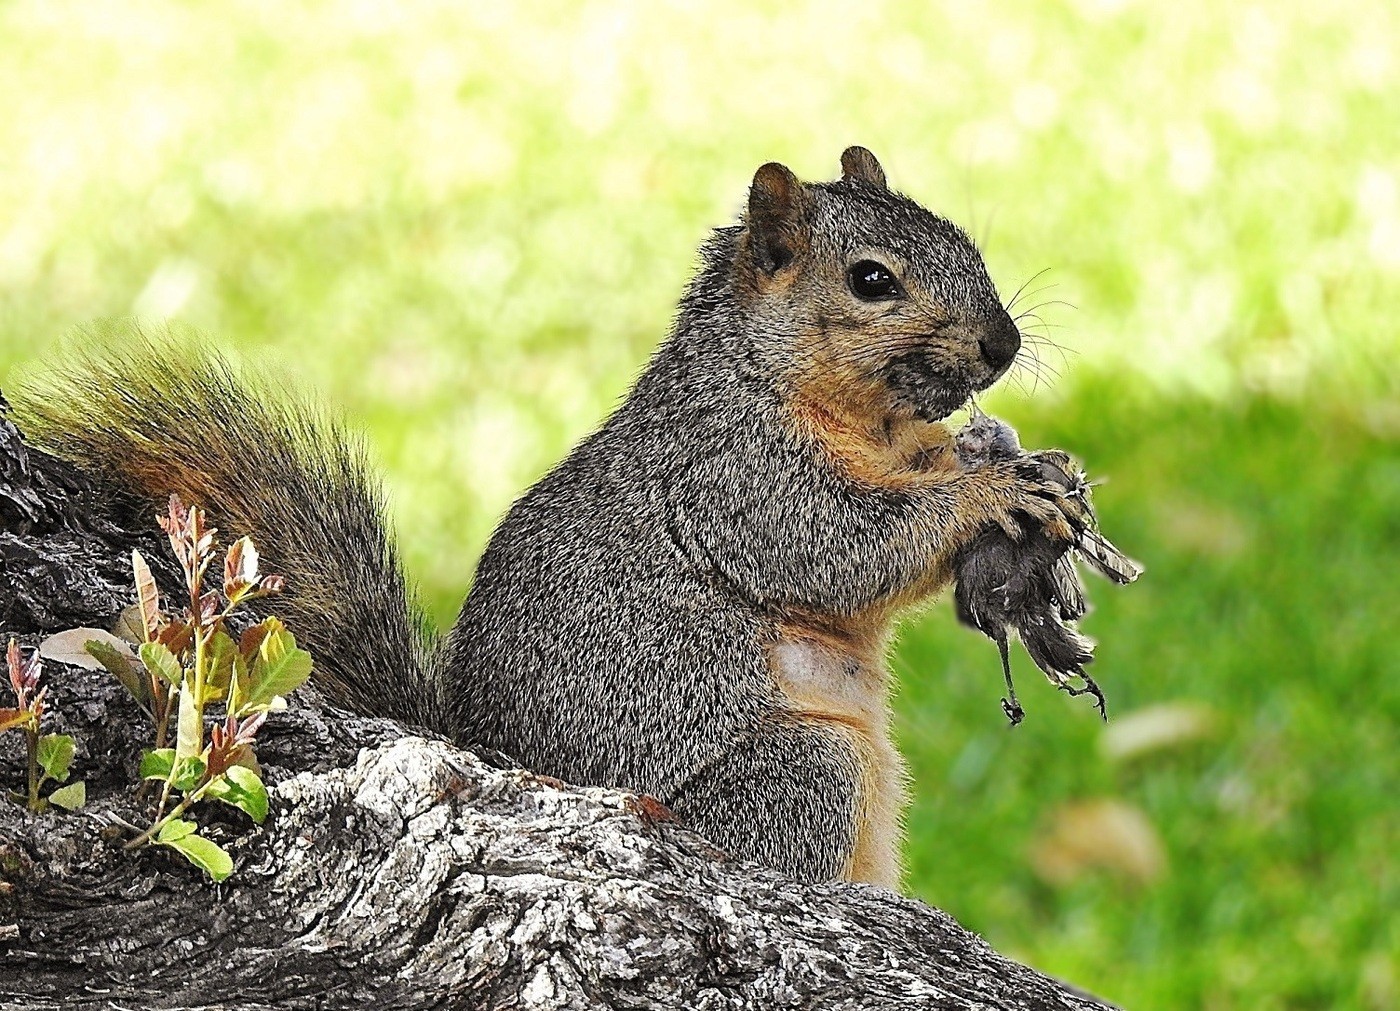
{"x": 872, "y": 281}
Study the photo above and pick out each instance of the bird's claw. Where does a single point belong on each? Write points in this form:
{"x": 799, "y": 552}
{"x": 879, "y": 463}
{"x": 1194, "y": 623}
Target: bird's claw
{"x": 1090, "y": 687}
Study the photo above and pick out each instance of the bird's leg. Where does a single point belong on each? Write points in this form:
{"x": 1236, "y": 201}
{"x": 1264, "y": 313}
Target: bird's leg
{"x": 1010, "y": 705}
{"x": 1091, "y": 687}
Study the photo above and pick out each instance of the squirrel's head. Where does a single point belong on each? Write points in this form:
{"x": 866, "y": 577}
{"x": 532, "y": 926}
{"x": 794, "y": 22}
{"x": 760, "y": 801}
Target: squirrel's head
{"x": 873, "y": 300}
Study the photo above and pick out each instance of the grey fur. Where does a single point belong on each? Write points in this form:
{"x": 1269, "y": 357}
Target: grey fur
{"x": 615, "y": 633}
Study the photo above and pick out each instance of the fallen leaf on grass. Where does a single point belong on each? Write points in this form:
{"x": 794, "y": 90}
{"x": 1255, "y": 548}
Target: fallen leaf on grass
{"x": 1099, "y": 835}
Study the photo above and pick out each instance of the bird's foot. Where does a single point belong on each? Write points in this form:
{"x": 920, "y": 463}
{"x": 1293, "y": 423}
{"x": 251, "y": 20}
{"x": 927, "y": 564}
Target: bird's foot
{"x": 1090, "y": 687}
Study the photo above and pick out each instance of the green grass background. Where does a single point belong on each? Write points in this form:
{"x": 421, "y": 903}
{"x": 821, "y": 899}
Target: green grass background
{"x": 467, "y": 225}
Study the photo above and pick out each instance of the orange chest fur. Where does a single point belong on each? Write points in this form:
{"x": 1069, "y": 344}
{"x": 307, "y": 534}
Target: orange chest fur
{"x": 871, "y": 446}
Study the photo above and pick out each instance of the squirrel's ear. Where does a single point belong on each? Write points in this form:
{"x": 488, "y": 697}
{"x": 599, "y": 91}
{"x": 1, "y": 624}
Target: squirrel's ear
{"x": 775, "y": 217}
{"x": 858, "y": 163}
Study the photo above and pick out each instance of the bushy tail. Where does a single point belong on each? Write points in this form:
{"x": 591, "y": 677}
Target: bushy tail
{"x": 153, "y": 416}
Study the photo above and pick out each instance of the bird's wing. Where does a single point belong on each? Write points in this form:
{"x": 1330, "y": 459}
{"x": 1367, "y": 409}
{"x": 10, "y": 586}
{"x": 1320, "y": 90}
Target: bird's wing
{"x": 1068, "y": 589}
{"x": 1100, "y": 554}
{"x": 1077, "y": 505}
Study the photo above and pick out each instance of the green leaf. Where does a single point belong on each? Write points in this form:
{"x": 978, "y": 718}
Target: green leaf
{"x": 279, "y": 669}
{"x": 222, "y": 651}
{"x": 238, "y": 685}
{"x": 242, "y": 789}
{"x": 189, "y": 737}
{"x": 70, "y": 797}
{"x": 55, "y": 754}
{"x": 161, "y": 662}
{"x": 14, "y": 718}
{"x": 158, "y": 763}
{"x": 174, "y": 830}
{"x": 253, "y": 636}
{"x": 204, "y": 854}
{"x": 123, "y": 666}
{"x": 188, "y": 772}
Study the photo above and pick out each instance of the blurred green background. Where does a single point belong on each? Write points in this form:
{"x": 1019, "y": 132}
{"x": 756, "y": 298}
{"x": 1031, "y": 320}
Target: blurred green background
{"x": 467, "y": 225}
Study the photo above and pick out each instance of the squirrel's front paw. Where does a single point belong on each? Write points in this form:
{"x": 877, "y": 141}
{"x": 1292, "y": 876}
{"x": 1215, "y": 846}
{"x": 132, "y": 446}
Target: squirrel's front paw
{"x": 1033, "y": 498}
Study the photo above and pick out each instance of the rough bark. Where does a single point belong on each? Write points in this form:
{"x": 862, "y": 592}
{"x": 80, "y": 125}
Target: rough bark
{"x": 397, "y": 871}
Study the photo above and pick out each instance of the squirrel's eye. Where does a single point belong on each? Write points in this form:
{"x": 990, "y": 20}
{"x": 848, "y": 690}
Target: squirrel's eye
{"x": 872, "y": 281}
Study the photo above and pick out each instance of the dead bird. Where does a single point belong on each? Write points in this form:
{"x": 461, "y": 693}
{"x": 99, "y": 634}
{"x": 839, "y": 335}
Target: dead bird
{"x": 1030, "y": 584}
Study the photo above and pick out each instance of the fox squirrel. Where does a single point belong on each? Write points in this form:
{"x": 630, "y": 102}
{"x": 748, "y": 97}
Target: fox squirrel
{"x": 695, "y": 604}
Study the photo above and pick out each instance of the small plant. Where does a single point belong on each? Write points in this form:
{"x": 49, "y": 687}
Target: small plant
{"x": 189, "y": 661}
{"x": 48, "y": 755}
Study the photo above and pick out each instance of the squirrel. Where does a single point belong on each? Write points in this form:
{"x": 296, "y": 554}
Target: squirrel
{"x": 696, "y": 603}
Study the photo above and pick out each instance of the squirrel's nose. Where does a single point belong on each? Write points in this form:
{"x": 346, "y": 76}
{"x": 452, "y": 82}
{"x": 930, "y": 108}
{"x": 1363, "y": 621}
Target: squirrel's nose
{"x": 999, "y": 342}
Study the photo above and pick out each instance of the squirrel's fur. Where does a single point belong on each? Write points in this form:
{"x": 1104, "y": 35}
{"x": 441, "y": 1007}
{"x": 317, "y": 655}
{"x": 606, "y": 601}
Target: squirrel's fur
{"x": 152, "y": 417}
{"x": 695, "y": 604}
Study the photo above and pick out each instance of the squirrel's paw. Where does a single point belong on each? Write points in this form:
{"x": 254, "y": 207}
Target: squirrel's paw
{"x": 1035, "y": 497}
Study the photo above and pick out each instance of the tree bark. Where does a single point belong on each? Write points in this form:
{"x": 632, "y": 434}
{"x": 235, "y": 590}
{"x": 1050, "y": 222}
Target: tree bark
{"x": 395, "y": 870}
